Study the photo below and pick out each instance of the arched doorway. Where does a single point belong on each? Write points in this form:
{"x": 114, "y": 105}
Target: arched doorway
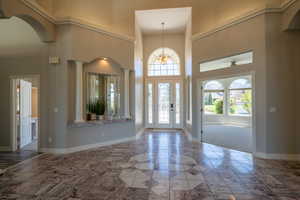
{"x": 164, "y": 100}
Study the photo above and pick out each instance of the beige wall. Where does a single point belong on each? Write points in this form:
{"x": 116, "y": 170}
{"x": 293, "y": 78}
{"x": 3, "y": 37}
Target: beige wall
{"x": 118, "y": 15}
{"x": 281, "y": 86}
{"x": 234, "y": 40}
{"x": 87, "y": 45}
{"x": 276, "y": 69}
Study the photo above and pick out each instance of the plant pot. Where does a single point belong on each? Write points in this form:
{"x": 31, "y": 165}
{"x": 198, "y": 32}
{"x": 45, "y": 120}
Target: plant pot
{"x": 89, "y": 117}
{"x": 93, "y": 116}
{"x": 101, "y": 117}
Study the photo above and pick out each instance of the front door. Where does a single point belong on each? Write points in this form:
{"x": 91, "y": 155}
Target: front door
{"x": 164, "y": 104}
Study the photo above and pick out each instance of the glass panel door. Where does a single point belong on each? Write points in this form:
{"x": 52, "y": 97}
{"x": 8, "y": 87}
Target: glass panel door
{"x": 163, "y": 104}
{"x": 164, "y": 101}
{"x": 177, "y": 104}
{"x": 150, "y": 103}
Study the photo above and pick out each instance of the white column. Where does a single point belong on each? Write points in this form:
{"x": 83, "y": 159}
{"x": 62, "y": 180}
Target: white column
{"x": 126, "y": 93}
{"x": 79, "y": 93}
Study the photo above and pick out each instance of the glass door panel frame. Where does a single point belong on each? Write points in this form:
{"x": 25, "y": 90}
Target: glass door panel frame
{"x": 155, "y": 112}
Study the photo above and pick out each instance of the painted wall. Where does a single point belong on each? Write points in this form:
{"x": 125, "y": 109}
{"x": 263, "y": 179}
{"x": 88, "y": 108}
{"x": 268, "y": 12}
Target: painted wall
{"x": 231, "y": 41}
{"x": 96, "y": 45}
{"x": 118, "y": 15}
{"x": 282, "y": 76}
{"x": 275, "y": 66}
{"x": 32, "y": 62}
{"x": 101, "y": 134}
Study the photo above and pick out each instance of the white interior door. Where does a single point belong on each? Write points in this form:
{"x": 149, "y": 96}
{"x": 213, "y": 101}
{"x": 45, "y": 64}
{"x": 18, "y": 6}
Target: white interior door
{"x": 25, "y": 113}
{"x": 164, "y": 104}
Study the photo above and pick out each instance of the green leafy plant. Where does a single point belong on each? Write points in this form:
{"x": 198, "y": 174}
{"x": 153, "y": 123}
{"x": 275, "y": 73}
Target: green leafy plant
{"x": 91, "y": 107}
{"x": 232, "y": 108}
{"x": 100, "y": 107}
{"x": 218, "y": 107}
{"x": 247, "y": 99}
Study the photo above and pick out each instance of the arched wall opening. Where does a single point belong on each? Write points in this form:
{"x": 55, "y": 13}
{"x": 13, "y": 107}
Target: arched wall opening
{"x": 15, "y": 8}
{"x": 23, "y": 61}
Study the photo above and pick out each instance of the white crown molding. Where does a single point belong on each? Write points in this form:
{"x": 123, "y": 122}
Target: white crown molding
{"x": 287, "y": 4}
{"x": 243, "y": 18}
{"x": 85, "y": 147}
{"x": 92, "y": 27}
{"x": 100, "y": 29}
{"x": 75, "y": 21}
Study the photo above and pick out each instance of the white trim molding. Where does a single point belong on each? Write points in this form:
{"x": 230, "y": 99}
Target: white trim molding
{"x": 75, "y": 21}
{"x": 288, "y": 157}
{"x": 243, "y": 18}
{"x": 85, "y": 147}
{"x": 101, "y": 29}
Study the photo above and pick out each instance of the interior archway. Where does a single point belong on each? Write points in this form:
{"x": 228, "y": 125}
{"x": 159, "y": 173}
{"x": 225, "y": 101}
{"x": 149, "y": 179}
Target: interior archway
{"x": 44, "y": 28}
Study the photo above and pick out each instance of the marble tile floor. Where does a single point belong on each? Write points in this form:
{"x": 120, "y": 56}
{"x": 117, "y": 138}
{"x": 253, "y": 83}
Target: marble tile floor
{"x": 8, "y": 159}
{"x": 159, "y": 166}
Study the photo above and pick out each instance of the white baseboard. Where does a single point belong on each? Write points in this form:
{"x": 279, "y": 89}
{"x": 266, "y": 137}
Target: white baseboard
{"x": 3, "y": 148}
{"x": 84, "y": 147}
{"x": 289, "y": 157}
{"x": 140, "y": 133}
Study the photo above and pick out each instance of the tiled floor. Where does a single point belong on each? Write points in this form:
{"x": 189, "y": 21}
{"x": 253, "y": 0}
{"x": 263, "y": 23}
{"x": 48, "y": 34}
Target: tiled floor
{"x": 8, "y": 159}
{"x": 160, "y": 166}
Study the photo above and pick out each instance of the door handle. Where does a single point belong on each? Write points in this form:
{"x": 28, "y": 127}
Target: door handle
{"x": 172, "y": 106}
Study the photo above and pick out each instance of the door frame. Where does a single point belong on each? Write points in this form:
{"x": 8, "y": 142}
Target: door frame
{"x": 200, "y": 112}
{"x": 13, "y": 109}
{"x": 154, "y": 81}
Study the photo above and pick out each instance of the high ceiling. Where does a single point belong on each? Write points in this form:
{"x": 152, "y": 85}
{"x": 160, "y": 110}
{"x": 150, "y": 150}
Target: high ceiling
{"x": 175, "y": 20}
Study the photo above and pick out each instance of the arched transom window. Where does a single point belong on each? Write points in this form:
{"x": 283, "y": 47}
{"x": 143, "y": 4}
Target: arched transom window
{"x": 213, "y": 98}
{"x": 171, "y": 67}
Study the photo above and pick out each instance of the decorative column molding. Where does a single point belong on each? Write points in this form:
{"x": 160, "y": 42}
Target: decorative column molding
{"x": 126, "y": 94}
{"x": 79, "y": 93}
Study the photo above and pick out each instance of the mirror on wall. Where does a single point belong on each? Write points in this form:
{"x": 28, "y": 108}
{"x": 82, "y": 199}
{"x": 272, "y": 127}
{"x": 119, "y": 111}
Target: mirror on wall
{"x": 103, "y": 96}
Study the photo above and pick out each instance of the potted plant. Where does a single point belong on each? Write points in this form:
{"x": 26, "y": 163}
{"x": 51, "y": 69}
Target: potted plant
{"x": 91, "y": 110}
{"x": 100, "y": 110}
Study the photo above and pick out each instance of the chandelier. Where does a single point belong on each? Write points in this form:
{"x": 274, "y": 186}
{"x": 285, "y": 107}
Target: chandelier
{"x": 163, "y": 58}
